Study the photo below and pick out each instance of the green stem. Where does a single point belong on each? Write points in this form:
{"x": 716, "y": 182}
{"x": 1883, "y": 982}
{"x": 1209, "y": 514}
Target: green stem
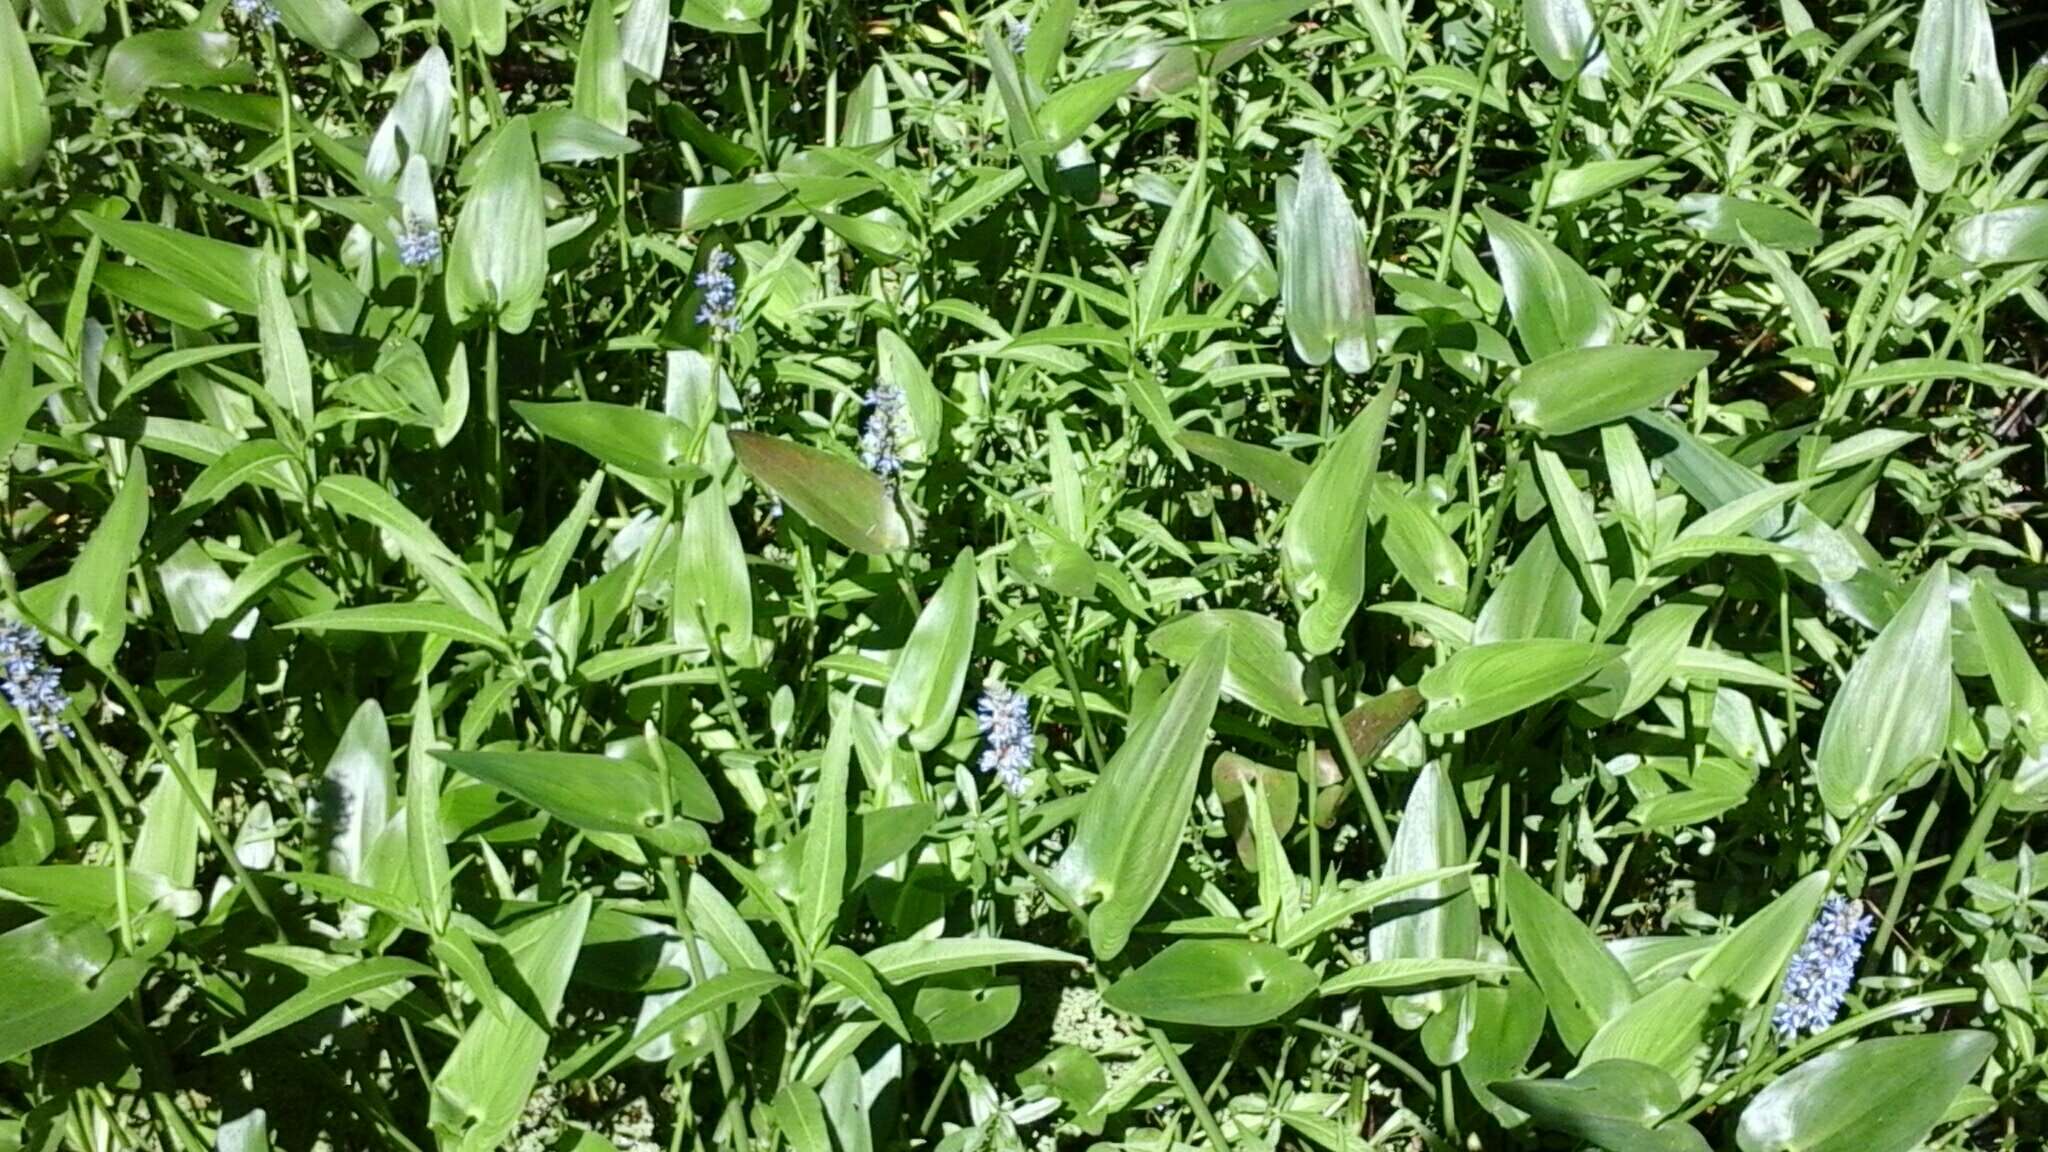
{"x": 1188, "y": 1089}
{"x": 1334, "y": 717}
{"x": 493, "y": 464}
{"x": 1068, "y": 672}
{"x": 1465, "y": 131}
{"x": 1904, "y": 876}
{"x": 1988, "y": 807}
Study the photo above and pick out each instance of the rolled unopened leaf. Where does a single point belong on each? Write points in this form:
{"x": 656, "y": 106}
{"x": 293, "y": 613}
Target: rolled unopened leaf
{"x": 417, "y": 124}
{"x": 1325, "y": 288}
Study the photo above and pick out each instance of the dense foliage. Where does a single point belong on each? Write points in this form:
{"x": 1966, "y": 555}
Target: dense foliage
{"x": 1254, "y": 574}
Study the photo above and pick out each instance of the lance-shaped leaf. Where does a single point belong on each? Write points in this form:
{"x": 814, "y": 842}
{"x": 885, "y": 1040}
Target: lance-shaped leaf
{"x": 924, "y": 688}
{"x": 1892, "y": 714}
{"x": 599, "y": 91}
{"x": 1583, "y": 388}
{"x": 1214, "y": 984}
{"x": 354, "y": 800}
{"x": 1484, "y": 683}
{"x": 1584, "y": 984}
{"x": 1881, "y": 1095}
{"x": 1564, "y": 36}
{"x": 286, "y": 375}
{"x": 426, "y": 849}
{"x": 1439, "y": 920}
{"x": 498, "y": 261}
{"x": 417, "y": 124}
{"x": 96, "y": 588}
{"x": 24, "y": 117}
{"x": 1556, "y": 305}
{"x": 61, "y": 977}
{"x": 481, "y": 1089}
{"x": 822, "y": 877}
{"x": 712, "y": 599}
{"x": 1325, "y": 288}
{"x": 1322, "y": 545}
{"x": 1129, "y": 831}
{"x": 589, "y": 791}
{"x": 839, "y": 497}
{"x": 1261, "y": 672}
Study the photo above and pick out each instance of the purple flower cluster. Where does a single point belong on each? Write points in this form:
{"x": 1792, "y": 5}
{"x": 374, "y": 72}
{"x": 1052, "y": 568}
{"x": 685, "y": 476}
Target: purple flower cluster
{"x": 1823, "y": 970}
{"x": 419, "y": 244}
{"x": 1005, "y": 719}
{"x": 720, "y": 308}
{"x": 31, "y": 684}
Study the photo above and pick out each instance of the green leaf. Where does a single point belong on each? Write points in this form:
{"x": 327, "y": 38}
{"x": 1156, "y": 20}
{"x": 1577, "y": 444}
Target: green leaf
{"x": 1955, "y": 66}
{"x": 1322, "y": 544}
{"x": 800, "y": 1117}
{"x": 1128, "y": 834}
{"x": 1892, "y": 712}
{"x": 599, "y": 90}
{"x": 264, "y": 462}
{"x": 712, "y": 597}
{"x": 716, "y": 992}
{"x": 191, "y": 57}
{"x": 1881, "y": 1095}
{"x": 1612, "y": 1106}
{"x": 1225, "y": 20}
{"x": 96, "y": 588}
{"x": 592, "y": 792}
{"x": 1487, "y": 682}
{"x": 1745, "y": 965}
{"x": 1440, "y": 920}
{"x": 1336, "y": 907}
{"x": 1733, "y": 221}
{"x": 1584, "y": 984}
{"x": 324, "y": 992}
{"x": 845, "y": 968}
{"x": 923, "y": 696}
{"x": 1069, "y": 112}
{"x": 1281, "y": 476}
{"x": 1425, "y": 555}
{"x": 2018, "y": 681}
{"x": 227, "y": 274}
{"x": 1584, "y": 388}
{"x": 2016, "y": 235}
{"x": 497, "y": 263}
{"x": 426, "y": 847}
{"x": 329, "y": 25}
{"x": 1666, "y": 1029}
{"x": 645, "y": 443}
{"x": 1563, "y": 34}
{"x": 483, "y": 1085}
{"x": 822, "y": 879}
{"x": 903, "y": 961}
{"x": 61, "y": 978}
{"x": 355, "y": 796}
{"x": 1259, "y": 672}
{"x": 840, "y": 498}
{"x": 1214, "y": 984}
{"x": 1401, "y": 975}
{"x": 554, "y": 558}
{"x": 422, "y": 617}
{"x": 1556, "y": 305}
{"x": 24, "y": 116}
{"x": 1325, "y": 289}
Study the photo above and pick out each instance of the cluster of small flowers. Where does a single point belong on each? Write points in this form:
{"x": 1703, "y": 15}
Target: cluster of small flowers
{"x": 1083, "y": 1021}
{"x": 1005, "y": 718}
{"x": 1823, "y": 970}
{"x": 419, "y": 244}
{"x": 1019, "y": 31}
{"x": 255, "y": 11}
{"x": 720, "y": 309}
{"x": 32, "y": 686}
{"x": 879, "y": 435}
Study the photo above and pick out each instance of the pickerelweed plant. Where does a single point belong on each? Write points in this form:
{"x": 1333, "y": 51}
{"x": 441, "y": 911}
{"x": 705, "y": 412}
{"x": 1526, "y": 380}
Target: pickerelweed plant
{"x": 1133, "y": 575}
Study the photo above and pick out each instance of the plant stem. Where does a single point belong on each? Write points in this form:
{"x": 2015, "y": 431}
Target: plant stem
{"x": 1188, "y": 1090}
{"x": 1334, "y": 717}
{"x": 1065, "y": 659}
